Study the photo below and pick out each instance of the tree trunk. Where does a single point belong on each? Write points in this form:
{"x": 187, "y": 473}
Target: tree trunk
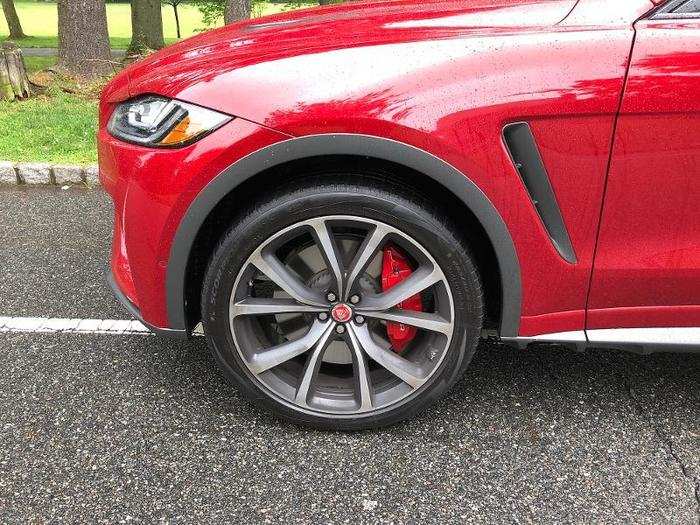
{"x": 83, "y": 41}
{"x": 177, "y": 21}
{"x": 146, "y": 26}
{"x": 8, "y": 7}
{"x": 14, "y": 82}
{"x": 236, "y": 10}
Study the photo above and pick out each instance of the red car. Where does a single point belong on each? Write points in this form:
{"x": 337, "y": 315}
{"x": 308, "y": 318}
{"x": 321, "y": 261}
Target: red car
{"x": 350, "y": 197}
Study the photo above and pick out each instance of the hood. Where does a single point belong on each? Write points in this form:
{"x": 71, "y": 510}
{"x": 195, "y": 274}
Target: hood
{"x": 173, "y": 70}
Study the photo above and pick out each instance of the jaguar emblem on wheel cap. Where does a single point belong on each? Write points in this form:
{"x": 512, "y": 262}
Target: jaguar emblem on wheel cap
{"x": 341, "y": 313}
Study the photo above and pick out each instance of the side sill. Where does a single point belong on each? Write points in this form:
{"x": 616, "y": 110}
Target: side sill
{"x": 647, "y": 340}
{"x": 574, "y": 340}
{"x": 521, "y": 145}
{"x": 124, "y": 300}
{"x": 637, "y": 340}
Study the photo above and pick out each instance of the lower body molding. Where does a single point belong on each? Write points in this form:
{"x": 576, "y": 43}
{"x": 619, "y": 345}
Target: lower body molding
{"x": 639, "y": 340}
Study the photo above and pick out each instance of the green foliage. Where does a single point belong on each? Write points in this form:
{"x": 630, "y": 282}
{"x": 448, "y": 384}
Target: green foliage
{"x": 174, "y": 3}
{"x": 212, "y": 11}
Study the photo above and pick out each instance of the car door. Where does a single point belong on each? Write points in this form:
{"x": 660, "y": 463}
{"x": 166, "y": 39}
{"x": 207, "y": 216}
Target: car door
{"x": 647, "y": 262}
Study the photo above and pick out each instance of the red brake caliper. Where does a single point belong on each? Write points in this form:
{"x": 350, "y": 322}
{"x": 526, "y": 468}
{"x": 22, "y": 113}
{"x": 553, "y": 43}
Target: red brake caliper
{"x": 395, "y": 269}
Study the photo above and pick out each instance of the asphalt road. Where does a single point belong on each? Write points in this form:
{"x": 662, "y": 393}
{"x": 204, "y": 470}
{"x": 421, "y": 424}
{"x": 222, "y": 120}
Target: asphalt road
{"x": 99, "y": 428}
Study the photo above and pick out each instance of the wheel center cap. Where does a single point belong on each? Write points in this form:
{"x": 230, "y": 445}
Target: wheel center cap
{"x": 341, "y": 313}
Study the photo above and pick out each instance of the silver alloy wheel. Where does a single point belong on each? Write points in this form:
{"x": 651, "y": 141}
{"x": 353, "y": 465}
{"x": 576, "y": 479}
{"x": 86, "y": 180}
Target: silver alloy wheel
{"x": 312, "y": 290}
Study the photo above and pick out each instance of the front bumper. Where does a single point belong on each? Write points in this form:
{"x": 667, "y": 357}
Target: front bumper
{"x": 135, "y": 312}
{"x": 152, "y": 190}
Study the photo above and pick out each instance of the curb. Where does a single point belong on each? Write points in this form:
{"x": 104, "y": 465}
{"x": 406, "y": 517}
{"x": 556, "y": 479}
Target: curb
{"x": 35, "y": 173}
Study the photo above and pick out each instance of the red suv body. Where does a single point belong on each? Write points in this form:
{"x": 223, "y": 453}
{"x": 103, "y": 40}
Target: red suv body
{"x": 561, "y": 138}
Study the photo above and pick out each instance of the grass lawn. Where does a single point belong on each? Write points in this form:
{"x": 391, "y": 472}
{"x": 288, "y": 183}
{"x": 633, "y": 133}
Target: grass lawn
{"x": 35, "y": 64}
{"x": 59, "y": 128}
{"x": 40, "y": 21}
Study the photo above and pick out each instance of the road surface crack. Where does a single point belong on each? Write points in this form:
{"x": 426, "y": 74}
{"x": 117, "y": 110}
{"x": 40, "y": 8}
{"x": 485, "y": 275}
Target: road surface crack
{"x": 663, "y": 438}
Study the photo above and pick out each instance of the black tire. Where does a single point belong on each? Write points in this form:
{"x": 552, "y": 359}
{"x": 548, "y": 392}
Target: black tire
{"x": 348, "y": 194}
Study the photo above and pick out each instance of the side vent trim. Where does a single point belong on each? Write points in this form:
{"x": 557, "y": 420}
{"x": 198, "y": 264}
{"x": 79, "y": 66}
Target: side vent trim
{"x": 526, "y": 157}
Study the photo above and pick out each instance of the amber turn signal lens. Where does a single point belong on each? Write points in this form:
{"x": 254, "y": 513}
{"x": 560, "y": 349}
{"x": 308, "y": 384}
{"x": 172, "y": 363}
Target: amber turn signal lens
{"x": 185, "y": 131}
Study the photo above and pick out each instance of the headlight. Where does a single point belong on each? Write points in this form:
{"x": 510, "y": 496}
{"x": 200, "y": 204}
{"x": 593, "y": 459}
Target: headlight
{"x": 161, "y": 122}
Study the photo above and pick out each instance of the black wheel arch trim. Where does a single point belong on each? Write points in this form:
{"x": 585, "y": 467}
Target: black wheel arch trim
{"x": 345, "y": 144}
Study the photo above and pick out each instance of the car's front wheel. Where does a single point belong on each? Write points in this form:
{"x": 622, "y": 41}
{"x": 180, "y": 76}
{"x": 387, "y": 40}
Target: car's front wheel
{"x": 342, "y": 305}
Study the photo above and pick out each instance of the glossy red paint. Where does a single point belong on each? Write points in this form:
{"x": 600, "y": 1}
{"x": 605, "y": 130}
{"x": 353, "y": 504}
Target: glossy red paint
{"x": 444, "y": 77}
{"x": 647, "y": 270}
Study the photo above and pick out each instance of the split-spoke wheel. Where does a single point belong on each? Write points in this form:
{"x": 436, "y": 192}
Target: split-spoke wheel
{"x": 317, "y": 320}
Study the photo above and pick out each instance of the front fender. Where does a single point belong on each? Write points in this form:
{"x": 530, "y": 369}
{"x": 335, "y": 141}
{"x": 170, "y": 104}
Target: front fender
{"x": 345, "y": 144}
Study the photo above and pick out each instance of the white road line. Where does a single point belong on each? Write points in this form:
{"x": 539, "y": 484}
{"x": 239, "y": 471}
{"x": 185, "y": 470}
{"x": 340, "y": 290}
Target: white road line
{"x": 72, "y": 326}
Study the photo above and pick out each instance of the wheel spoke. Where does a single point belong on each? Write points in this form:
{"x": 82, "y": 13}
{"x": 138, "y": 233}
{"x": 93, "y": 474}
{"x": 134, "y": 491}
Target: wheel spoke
{"x": 423, "y": 320}
{"x": 422, "y": 279}
{"x": 313, "y": 363}
{"x": 271, "y": 266}
{"x": 271, "y": 357}
{"x": 270, "y": 306}
{"x": 364, "y": 256}
{"x": 361, "y": 370}
{"x": 329, "y": 249}
{"x": 402, "y": 368}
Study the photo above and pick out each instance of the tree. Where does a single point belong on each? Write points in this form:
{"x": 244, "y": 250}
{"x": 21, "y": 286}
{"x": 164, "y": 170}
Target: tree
{"x": 83, "y": 41}
{"x": 236, "y": 10}
{"x": 8, "y": 7}
{"x": 175, "y": 4}
{"x": 146, "y": 26}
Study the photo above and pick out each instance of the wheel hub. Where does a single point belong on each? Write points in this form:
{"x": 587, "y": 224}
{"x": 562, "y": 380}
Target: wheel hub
{"x": 341, "y": 313}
